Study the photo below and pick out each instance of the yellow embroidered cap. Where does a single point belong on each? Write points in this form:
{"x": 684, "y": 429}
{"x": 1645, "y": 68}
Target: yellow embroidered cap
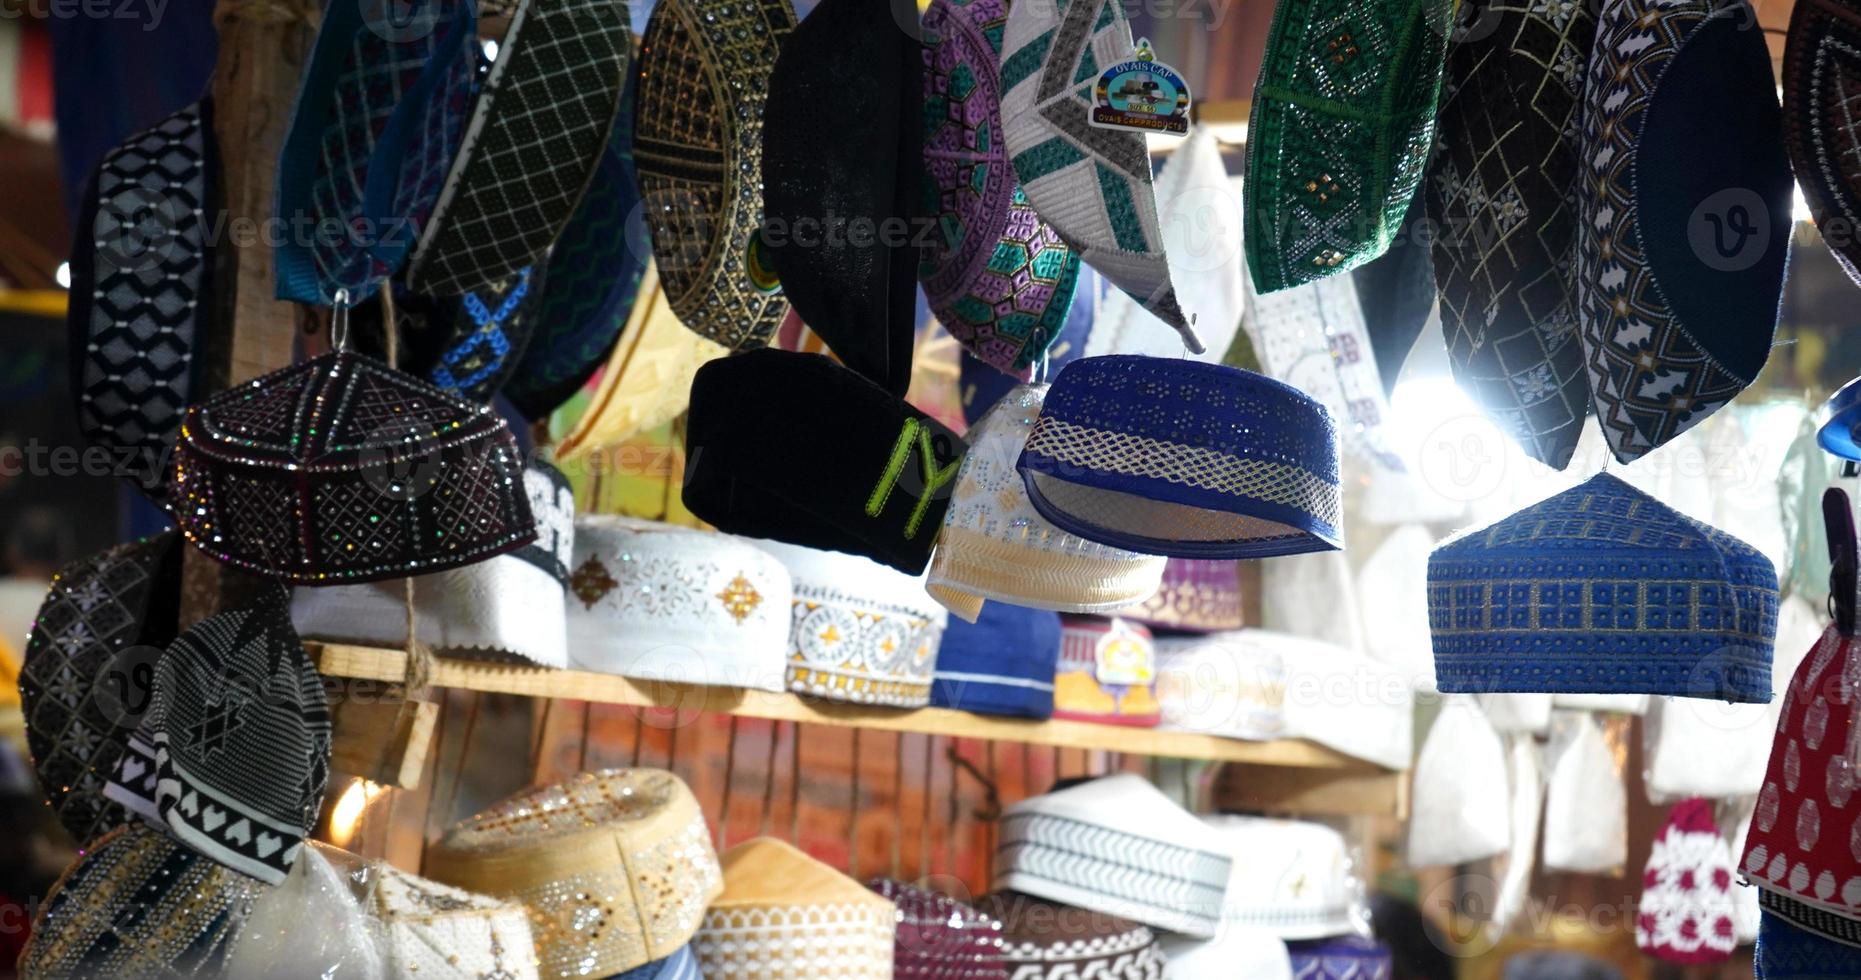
{"x": 786, "y": 916}
{"x": 615, "y": 867}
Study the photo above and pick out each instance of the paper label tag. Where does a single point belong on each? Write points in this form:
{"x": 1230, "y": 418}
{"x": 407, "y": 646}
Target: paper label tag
{"x": 1124, "y": 657}
{"x": 1143, "y": 94}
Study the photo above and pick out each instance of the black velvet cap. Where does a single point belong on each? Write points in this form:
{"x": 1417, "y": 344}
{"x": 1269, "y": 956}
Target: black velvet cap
{"x": 797, "y": 448}
{"x": 842, "y": 163}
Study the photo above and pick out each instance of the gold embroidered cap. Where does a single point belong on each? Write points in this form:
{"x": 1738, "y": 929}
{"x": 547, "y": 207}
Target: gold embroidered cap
{"x": 704, "y": 75}
{"x": 860, "y": 631}
{"x": 615, "y": 867}
{"x": 647, "y": 379}
{"x": 657, "y": 602}
{"x": 996, "y": 546}
{"x": 785, "y": 916}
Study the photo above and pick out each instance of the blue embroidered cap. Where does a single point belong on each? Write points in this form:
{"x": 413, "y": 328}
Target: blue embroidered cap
{"x": 1785, "y": 952}
{"x": 1168, "y": 456}
{"x": 1603, "y": 589}
{"x": 1002, "y": 664}
{"x": 1841, "y": 422}
{"x": 1347, "y": 957}
{"x": 378, "y": 119}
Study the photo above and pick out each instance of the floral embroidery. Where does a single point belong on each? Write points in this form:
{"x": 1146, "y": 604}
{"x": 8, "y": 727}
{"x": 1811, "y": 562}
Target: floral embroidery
{"x": 740, "y": 598}
{"x": 592, "y": 581}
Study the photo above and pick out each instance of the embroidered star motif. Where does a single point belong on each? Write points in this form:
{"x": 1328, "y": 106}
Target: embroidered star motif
{"x": 740, "y": 598}
{"x": 830, "y": 635}
{"x": 591, "y": 581}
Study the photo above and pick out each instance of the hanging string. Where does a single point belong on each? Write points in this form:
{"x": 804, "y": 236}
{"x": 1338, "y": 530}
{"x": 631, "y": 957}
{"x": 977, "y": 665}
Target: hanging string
{"x": 768, "y": 781}
{"x": 581, "y": 756}
{"x": 852, "y": 827}
{"x": 794, "y": 783}
{"x": 898, "y": 794}
{"x": 730, "y": 777}
{"x": 465, "y": 748}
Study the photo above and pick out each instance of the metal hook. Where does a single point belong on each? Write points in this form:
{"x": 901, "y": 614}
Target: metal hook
{"x": 339, "y": 320}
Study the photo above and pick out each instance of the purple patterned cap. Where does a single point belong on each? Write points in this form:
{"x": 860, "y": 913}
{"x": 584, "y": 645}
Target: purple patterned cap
{"x": 1197, "y": 596}
{"x": 940, "y": 938}
{"x": 998, "y": 278}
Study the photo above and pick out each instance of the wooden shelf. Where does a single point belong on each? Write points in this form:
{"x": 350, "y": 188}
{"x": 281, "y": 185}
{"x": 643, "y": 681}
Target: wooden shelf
{"x": 377, "y": 664}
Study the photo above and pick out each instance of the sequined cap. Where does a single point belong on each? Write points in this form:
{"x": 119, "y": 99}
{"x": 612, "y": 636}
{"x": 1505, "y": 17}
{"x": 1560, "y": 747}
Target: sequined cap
{"x": 1341, "y": 958}
{"x": 1118, "y": 845}
{"x": 615, "y": 867}
{"x": 999, "y": 278}
{"x": 1343, "y": 119}
{"x": 1043, "y": 940}
{"x": 1821, "y": 64}
{"x": 104, "y": 622}
{"x": 1602, "y": 589}
{"x": 860, "y": 631}
{"x": 435, "y": 930}
{"x": 940, "y": 938}
{"x": 341, "y": 469}
{"x": 1173, "y": 457}
{"x": 786, "y": 916}
{"x": 995, "y": 545}
{"x": 657, "y": 602}
{"x": 138, "y": 905}
{"x": 704, "y": 76}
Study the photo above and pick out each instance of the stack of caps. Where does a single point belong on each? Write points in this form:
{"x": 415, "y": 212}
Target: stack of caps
{"x": 1043, "y": 940}
{"x": 1118, "y": 845}
{"x": 860, "y": 631}
{"x": 1229, "y": 684}
{"x": 785, "y": 916}
{"x": 1107, "y": 672}
{"x": 657, "y": 602}
{"x": 512, "y": 604}
{"x": 996, "y": 546}
{"x": 1002, "y": 664}
{"x": 940, "y": 938}
{"x": 615, "y": 867}
{"x": 1603, "y": 589}
{"x": 1289, "y": 877}
{"x": 1196, "y": 596}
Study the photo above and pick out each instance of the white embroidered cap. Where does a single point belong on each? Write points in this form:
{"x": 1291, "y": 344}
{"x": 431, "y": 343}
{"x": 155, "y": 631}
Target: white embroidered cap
{"x": 658, "y": 602}
{"x": 1116, "y": 845}
{"x": 1345, "y": 701}
{"x": 1230, "y": 684}
{"x": 860, "y": 632}
{"x": 511, "y": 604}
{"x": 995, "y": 545}
{"x": 1292, "y": 878}
{"x": 436, "y": 930}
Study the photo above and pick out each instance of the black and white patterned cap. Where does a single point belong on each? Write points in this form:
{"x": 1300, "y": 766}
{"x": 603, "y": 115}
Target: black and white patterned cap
{"x": 242, "y": 739}
{"x": 552, "y": 503}
{"x": 88, "y": 676}
{"x": 141, "y": 272}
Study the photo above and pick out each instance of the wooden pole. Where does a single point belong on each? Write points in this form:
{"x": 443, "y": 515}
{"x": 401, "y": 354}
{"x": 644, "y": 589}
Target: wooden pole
{"x": 263, "y": 46}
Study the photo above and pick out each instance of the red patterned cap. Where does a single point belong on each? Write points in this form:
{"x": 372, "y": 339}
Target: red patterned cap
{"x": 1804, "y": 848}
{"x": 1686, "y": 892}
{"x": 940, "y": 938}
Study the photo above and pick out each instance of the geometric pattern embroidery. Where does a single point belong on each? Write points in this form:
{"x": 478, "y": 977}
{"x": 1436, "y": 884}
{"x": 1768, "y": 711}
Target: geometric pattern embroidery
{"x": 141, "y": 291}
{"x": 1343, "y": 122}
{"x": 998, "y": 277}
{"x": 80, "y": 702}
{"x": 1503, "y": 193}
{"x": 1651, "y": 376}
{"x": 494, "y": 329}
{"x": 1174, "y": 881}
{"x": 1092, "y": 185}
{"x": 536, "y": 133}
{"x": 372, "y": 474}
{"x": 1822, "y": 120}
{"x": 704, "y": 74}
{"x": 1193, "y": 466}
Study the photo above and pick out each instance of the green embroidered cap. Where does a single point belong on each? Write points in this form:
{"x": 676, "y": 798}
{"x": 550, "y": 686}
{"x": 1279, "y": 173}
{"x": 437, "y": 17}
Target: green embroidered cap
{"x": 1343, "y": 117}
